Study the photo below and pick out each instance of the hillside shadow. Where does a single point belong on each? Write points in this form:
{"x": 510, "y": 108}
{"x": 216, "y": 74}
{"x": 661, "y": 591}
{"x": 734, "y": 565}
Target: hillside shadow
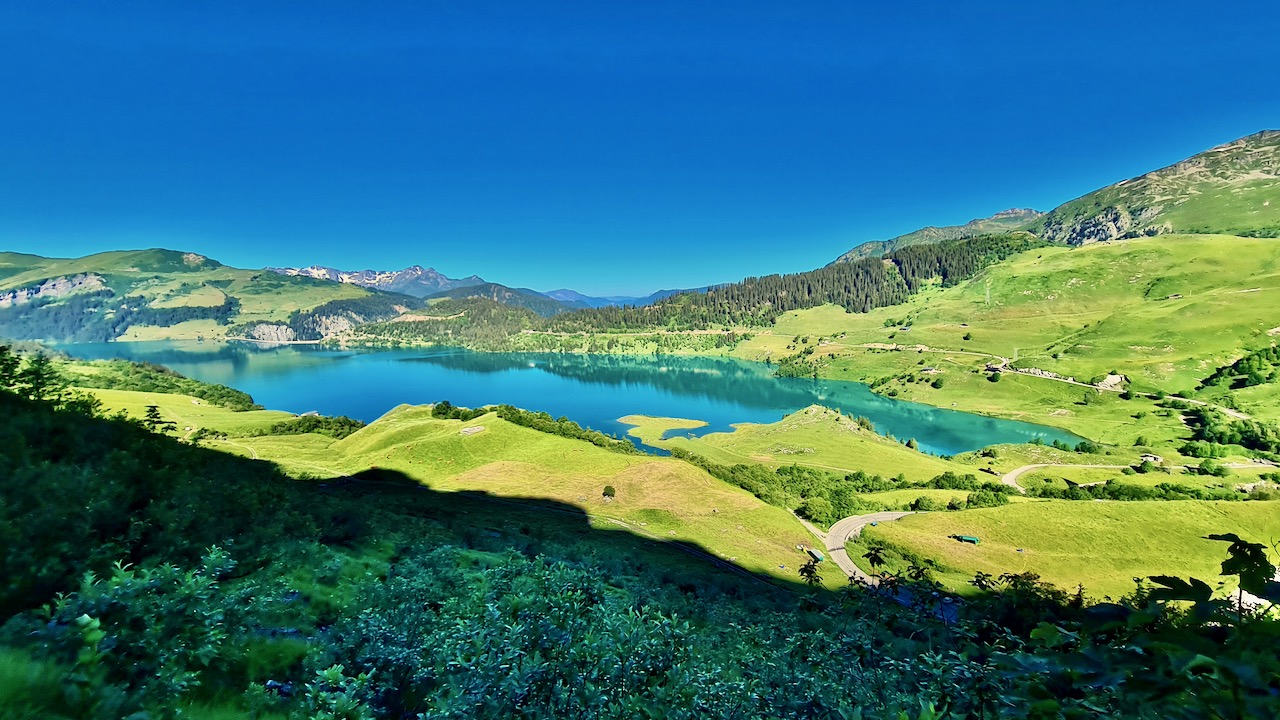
{"x": 531, "y": 526}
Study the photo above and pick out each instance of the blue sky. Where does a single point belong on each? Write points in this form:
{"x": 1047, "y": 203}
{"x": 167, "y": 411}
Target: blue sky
{"x": 608, "y": 147}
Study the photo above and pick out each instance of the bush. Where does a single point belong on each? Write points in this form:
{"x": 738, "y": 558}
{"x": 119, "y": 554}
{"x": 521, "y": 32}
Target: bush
{"x": 609, "y": 491}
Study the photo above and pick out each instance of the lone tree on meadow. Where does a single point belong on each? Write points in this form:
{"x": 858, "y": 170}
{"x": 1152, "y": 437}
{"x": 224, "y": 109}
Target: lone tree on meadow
{"x": 155, "y": 423}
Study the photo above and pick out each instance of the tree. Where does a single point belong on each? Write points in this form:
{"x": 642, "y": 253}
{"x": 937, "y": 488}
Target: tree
{"x": 40, "y": 380}
{"x": 876, "y": 556}
{"x": 809, "y": 571}
{"x": 155, "y": 423}
{"x": 8, "y": 368}
{"x": 919, "y": 572}
{"x": 610, "y": 491}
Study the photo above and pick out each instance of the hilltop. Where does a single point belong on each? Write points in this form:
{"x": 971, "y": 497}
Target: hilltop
{"x": 1001, "y": 222}
{"x": 1232, "y": 189}
{"x": 162, "y": 294}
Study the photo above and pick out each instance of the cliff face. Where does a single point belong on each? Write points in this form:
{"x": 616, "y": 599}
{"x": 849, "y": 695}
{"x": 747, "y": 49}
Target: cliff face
{"x": 271, "y": 332}
{"x": 52, "y": 288}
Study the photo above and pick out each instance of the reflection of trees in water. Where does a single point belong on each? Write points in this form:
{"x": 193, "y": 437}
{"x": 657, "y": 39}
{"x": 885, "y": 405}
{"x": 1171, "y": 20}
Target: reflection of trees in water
{"x": 752, "y": 385}
{"x": 733, "y": 382}
{"x": 747, "y": 384}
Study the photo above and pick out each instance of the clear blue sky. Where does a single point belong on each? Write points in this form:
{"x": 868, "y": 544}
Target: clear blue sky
{"x": 607, "y": 147}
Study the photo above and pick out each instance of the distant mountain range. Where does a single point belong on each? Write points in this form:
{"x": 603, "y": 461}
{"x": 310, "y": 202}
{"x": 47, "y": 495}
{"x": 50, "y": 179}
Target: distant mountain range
{"x": 416, "y": 280}
{"x": 421, "y": 282}
{"x": 576, "y": 299}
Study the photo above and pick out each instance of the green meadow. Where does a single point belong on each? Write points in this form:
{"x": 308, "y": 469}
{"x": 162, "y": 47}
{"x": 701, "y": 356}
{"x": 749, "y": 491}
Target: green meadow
{"x": 1102, "y": 545}
{"x": 814, "y": 437}
{"x": 661, "y": 498}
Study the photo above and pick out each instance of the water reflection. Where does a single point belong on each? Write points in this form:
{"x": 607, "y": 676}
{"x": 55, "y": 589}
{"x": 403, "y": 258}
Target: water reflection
{"x": 594, "y": 390}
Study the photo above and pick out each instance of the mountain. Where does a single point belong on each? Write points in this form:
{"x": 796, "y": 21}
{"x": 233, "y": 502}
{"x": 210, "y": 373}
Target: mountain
{"x": 416, "y": 281}
{"x": 168, "y": 294}
{"x": 1232, "y": 189}
{"x": 575, "y": 299}
{"x": 1001, "y": 222}
{"x": 515, "y": 297}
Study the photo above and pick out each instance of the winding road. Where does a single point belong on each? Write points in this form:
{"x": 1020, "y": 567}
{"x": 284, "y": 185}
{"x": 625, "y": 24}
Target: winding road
{"x": 1011, "y": 478}
{"x": 842, "y": 531}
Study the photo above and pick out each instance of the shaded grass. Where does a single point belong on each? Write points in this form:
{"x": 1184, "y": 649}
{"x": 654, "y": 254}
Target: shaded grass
{"x": 662, "y": 498}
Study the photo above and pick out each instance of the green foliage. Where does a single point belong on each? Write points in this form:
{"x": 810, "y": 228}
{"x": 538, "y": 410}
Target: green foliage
{"x": 335, "y": 427}
{"x": 160, "y": 626}
{"x": 99, "y": 316}
{"x": 415, "y": 609}
{"x": 609, "y": 491}
{"x": 445, "y": 410}
{"x": 564, "y": 427}
{"x": 148, "y": 377}
{"x": 1213, "y": 427}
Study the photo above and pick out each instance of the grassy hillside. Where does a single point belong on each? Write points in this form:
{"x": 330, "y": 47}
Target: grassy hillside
{"x": 1001, "y": 222}
{"x": 1164, "y": 311}
{"x": 814, "y": 437}
{"x": 1100, "y": 544}
{"x": 148, "y": 294}
{"x": 663, "y": 498}
{"x": 1231, "y": 189}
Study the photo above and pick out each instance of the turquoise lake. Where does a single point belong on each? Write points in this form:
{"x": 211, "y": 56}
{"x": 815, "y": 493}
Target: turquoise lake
{"x": 593, "y": 390}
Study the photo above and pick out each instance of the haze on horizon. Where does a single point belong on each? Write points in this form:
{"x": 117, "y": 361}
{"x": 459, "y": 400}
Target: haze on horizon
{"x": 609, "y": 150}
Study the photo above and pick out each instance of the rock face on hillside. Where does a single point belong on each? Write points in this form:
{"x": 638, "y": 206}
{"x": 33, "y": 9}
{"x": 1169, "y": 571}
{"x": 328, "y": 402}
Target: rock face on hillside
{"x": 1003, "y": 221}
{"x": 1232, "y": 189}
{"x": 271, "y": 332}
{"x": 52, "y": 288}
{"x": 416, "y": 280}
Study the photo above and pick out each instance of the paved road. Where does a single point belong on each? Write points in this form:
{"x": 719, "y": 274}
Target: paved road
{"x": 851, "y": 527}
{"x": 1011, "y": 478}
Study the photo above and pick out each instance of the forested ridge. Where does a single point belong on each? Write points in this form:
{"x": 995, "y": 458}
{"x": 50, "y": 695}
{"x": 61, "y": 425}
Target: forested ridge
{"x": 144, "y": 577}
{"x": 858, "y": 286}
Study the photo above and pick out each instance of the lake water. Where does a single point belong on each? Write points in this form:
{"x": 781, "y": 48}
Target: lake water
{"x": 593, "y": 390}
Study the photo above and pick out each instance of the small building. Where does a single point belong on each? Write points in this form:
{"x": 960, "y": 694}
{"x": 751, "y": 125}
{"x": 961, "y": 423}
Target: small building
{"x": 1154, "y": 459}
{"x": 817, "y": 556}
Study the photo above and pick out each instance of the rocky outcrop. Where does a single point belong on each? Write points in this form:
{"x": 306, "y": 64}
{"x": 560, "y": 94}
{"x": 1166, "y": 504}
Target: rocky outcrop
{"x": 1113, "y": 223}
{"x": 1200, "y": 195}
{"x": 52, "y": 288}
{"x": 330, "y": 325}
{"x": 271, "y": 332}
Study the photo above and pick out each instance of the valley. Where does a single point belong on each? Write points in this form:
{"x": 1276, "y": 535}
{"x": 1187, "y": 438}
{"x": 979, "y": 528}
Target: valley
{"x": 1039, "y": 406}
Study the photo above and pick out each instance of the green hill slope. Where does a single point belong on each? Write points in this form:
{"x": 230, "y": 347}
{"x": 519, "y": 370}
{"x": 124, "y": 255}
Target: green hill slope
{"x": 1100, "y": 544}
{"x": 1001, "y": 222}
{"x": 1163, "y": 311}
{"x": 1231, "y": 189}
{"x": 151, "y": 294}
